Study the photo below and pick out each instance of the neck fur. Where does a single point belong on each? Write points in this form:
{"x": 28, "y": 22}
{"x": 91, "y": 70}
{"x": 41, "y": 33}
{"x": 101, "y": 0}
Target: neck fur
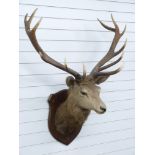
{"x": 75, "y": 111}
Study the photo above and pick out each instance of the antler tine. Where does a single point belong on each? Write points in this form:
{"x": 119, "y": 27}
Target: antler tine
{"x": 32, "y": 16}
{"x": 121, "y": 49}
{"x": 114, "y": 22}
{"x": 123, "y": 31}
{"x": 112, "y": 64}
{"x": 37, "y": 25}
{"x": 105, "y": 26}
{"x": 109, "y": 72}
{"x": 84, "y": 71}
{"x": 116, "y": 61}
{"x": 32, "y": 36}
{"x": 111, "y": 53}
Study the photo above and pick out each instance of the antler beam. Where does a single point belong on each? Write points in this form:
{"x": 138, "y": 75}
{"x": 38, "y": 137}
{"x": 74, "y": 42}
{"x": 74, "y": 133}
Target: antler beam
{"x": 32, "y": 36}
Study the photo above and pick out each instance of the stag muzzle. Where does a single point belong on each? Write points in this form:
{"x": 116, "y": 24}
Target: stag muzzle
{"x": 101, "y": 109}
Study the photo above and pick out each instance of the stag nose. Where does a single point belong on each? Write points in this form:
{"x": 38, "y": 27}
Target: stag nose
{"x": 103, "y": 109}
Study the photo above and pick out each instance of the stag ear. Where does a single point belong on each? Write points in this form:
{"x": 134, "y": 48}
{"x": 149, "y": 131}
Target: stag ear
{"x": 101, "y": 79}
{"x": 70, "y": 81}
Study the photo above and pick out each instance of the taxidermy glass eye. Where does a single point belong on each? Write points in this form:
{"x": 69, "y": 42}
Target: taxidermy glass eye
{"x": 83, "y": 93}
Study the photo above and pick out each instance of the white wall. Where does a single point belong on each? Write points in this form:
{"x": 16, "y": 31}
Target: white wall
{"x": 69, "y": 29}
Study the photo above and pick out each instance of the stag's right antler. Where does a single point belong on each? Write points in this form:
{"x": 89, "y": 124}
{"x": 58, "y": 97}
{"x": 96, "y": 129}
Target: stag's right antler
{"x": 32, "y": 36}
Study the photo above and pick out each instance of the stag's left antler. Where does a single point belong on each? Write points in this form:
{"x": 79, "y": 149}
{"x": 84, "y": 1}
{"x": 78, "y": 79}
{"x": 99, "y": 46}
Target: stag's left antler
{"x": 97, "y": 71}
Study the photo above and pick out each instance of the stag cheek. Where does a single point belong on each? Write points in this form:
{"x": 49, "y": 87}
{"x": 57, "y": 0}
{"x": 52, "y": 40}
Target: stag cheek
{"x": 85, "y": 104}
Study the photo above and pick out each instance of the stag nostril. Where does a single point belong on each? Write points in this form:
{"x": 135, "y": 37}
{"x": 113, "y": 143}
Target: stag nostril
{"x": 103, "y": 109}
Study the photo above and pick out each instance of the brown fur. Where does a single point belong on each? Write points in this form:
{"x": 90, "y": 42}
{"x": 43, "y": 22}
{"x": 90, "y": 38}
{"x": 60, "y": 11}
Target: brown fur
{"x": 64, "y": 133}
{"x": 70, "y": 108}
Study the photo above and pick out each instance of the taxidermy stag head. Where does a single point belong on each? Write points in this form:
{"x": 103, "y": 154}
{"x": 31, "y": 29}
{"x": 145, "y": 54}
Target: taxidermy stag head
{"x": 69, "y": 108}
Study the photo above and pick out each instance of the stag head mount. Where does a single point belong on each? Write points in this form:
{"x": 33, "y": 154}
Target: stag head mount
{"x": 69, "y": 108}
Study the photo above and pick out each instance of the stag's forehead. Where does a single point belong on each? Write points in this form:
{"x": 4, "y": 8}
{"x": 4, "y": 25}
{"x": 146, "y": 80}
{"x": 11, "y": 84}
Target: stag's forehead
{"x": 89, "y": 85}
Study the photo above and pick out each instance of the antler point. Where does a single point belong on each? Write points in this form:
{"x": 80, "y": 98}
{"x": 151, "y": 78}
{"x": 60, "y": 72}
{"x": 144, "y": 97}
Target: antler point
{"x": 65, "y": 63}
{"x": 99, "y": 20}
{"x": 125, "y": 28}
{"x": 84, "y": 71}
{"x": 35, "y": 10}
{"x": 112, "y": 17}
{"x": 126, "y": 40}
{"x": 25, "y": 19}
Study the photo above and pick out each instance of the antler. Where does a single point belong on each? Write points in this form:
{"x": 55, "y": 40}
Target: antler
{"x": 97, "y": 70}
{"x": 32, "y": 36}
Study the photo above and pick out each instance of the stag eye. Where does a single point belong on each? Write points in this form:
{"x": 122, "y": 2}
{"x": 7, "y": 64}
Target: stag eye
{"x": 83, "y": 93}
